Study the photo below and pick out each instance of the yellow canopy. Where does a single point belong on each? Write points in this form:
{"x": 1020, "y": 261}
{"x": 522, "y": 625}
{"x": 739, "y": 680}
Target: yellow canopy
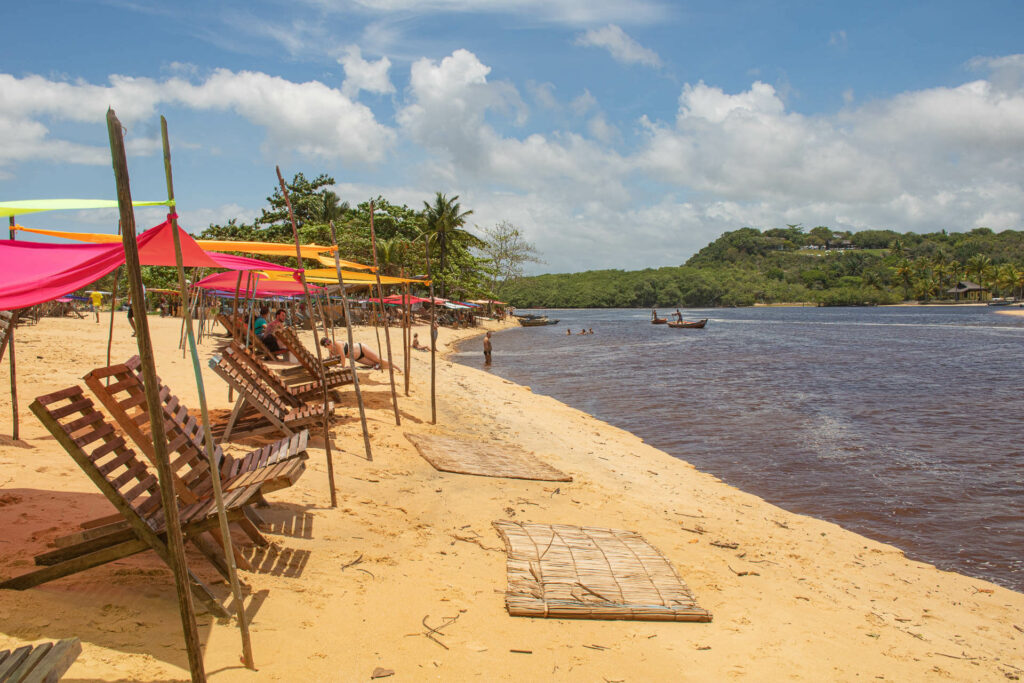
{"x": 328, "y": 260}
{"x": 329, "y": 276}
{"x": 263, "y": 248}
{"x": 20, "y": 207}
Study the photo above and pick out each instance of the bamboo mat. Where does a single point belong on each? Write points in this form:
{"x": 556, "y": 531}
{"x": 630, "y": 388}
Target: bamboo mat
{"x": 563, "y": 571}
{"x": 450, "y": 454}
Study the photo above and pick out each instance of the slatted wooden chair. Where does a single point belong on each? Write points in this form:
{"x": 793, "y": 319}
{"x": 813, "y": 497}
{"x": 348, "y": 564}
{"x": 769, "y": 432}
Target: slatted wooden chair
{"x": 296, "y": 394}
{"x": 259, "y": 408}
{"x": 335, "y": 374}
{"x": 274, "y": 466}
{"x": 39, "y": 663}
{"x": 70, "y": 416}
{"x": 240, "y": 332}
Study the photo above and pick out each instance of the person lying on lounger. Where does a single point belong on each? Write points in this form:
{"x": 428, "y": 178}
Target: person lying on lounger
{"x": 361, "y": 353}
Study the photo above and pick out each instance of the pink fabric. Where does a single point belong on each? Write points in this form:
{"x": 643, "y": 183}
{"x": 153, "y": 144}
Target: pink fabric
{"x": 226, "y": 282}
{"x": 34, "y": 272}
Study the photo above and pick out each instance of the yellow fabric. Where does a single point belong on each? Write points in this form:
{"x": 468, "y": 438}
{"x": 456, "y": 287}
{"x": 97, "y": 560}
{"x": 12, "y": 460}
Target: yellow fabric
{"x": 97, "y": 298}
{"x": 328, "y": 276}
{"x": 18, "y": 208}
{"x": 263, "y": 248}
{"x": 328, "y": 261}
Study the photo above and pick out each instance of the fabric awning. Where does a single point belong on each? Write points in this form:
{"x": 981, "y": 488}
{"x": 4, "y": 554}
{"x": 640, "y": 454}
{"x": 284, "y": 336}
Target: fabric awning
{"x": 34, "y": 272}
{"x": 20, "y": 207}
{"x": 263, "y": 248}
{"x": 348, "y": 265}
{"x": 329, "y": 276}
{"x": 263, "y": 286}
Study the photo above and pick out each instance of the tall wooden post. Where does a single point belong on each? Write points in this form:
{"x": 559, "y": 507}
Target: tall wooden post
{"x": 316, "y": 341}
{"x": 433, "y": 342}
{"x": 387, "y": 333}
{"x": 175, "y": 544}
{"x": 14, "y": 367}
{"x": 351, "y": 345}
{"x": 218, "y": 497}
{"x": 407, "y": 333}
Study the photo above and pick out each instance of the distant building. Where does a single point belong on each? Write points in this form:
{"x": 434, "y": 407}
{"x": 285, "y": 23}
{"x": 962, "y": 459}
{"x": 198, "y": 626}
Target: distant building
{"x": 968, "y": 291}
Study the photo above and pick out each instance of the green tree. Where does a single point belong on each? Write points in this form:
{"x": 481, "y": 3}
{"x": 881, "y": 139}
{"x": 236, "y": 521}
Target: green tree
{"x": 905, "y": 275}
{"x": 979, "y": 266}
{"x": 509, "y": 252}
{"x": 443, "y": 221}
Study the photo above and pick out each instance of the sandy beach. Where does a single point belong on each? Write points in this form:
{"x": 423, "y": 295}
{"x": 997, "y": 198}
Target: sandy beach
{"x": 345, "y": 591}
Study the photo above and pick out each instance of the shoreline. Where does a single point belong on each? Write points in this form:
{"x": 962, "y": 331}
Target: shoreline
{"x": 794, "y": 587}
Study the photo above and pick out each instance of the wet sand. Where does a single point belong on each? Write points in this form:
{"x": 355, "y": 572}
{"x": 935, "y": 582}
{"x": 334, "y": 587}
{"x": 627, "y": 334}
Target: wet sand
{"x": 344, "y": 591}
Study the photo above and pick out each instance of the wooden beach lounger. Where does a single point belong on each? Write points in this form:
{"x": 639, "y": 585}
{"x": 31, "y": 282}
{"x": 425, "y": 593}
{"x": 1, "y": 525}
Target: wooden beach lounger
{"x": 128, "y": 484}
{"x": 39, "y": 663}
{"x": 260, "y": 409}
{"x": 336, "y": 376}
{"x": 241, "y": 333}
{"x": 273, "y": 467}
{"x": 301, "y": 391}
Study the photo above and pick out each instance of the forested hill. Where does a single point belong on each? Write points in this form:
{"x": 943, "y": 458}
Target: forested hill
{"x": 748, "y": 266}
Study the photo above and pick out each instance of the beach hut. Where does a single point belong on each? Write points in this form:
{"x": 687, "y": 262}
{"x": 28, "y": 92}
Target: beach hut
{"x": 968, "y": 291}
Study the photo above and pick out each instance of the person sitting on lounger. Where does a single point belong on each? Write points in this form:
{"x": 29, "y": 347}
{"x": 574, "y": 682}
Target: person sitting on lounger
{"x": 268, "y": 338}
{"x": 361, "y": 353}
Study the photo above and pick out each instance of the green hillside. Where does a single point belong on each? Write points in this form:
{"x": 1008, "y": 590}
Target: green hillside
{"x": 747, "y": 266}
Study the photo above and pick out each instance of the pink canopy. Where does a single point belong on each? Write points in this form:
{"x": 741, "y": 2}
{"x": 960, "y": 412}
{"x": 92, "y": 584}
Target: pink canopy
{"x": 226, "y": 282}
{"x": 35, "y": 272}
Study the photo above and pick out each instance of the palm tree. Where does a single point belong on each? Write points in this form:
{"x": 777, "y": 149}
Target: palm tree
{"x": 332, "y": 208}
{"x": 1019, "y": 282}
{"x": 1006, "y": 278}
{"x": 389, "y": 255}
{"x": 444, "y": 220}
{"x": 905, "y": 273}
{"x": 980, "y": 265}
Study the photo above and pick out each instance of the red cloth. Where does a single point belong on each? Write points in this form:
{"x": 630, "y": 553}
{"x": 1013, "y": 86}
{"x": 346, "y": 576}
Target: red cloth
{"x": 226, "y": 282}
{"x": 33, "y": 272}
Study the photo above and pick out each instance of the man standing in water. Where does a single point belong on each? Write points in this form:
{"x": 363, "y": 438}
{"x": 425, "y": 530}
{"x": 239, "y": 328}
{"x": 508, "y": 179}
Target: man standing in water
{"x": 487, "y": 348}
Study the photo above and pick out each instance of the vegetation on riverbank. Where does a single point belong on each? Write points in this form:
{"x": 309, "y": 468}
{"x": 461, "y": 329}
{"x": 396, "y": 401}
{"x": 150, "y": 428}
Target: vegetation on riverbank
{"x": 747, "y": 266}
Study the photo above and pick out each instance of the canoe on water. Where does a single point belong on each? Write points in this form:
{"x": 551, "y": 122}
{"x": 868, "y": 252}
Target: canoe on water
{"x": 697, "y": 324}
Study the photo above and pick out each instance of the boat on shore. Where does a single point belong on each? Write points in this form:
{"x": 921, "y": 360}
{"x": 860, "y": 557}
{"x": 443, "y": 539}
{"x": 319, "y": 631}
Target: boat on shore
{"x": 695, "y": 324}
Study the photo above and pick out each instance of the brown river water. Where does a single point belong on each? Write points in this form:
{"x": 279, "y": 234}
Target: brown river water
{"x": 904, "y": 424}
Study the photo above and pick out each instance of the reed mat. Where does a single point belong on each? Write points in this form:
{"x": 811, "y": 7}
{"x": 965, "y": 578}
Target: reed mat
{"x": 571, "y": 572}
{"x": 449, "y": 454}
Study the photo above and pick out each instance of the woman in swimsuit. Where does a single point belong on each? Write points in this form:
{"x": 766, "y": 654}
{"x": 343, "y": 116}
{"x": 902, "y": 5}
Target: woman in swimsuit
{"x": 361, "y": 353}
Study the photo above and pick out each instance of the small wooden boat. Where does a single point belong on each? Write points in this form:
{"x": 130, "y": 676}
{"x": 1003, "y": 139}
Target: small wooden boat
{"x": 695, "y": 324}
{"x": 659, "y": 321}
{"x": 535, "y": 320}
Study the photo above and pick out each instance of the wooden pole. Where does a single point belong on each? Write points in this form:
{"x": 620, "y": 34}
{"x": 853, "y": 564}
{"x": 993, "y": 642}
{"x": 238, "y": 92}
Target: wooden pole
{"x": 316, "y": 340}
{"x": 351, "y": 345}
{"x": 407, "y": 334}
{"x": 10, "y": 341}
{"x": 433, "y": 342}
{"x": 387, "y": 333}
{"x": 218, "y": 497}
{"x": 113, "y": 306}
{"x": 175, "y": 543}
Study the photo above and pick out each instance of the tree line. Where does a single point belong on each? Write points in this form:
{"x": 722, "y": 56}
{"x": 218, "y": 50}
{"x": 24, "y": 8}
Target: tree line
{"x": 462, "y": 264}
{"x": 788, "y": 265}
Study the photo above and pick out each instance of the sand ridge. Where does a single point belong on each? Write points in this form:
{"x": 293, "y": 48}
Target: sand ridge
{"x": 408, "y": 574}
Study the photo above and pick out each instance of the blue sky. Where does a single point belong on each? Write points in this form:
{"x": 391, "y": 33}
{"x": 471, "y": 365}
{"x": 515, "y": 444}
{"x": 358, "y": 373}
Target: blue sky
{"x": 613, "y": 134}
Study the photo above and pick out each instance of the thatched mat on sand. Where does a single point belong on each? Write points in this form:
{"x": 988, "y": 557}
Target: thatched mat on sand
{"x": 558, "y": 570}
{"x": 449, "y": 454}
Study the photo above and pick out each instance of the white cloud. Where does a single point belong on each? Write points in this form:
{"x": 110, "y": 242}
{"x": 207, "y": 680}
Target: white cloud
{"x": 311, "y": 118}
{"x": 838, "y": 39}
{"x": 361, "y": 74}
{"x": 568, "y": 12}
{"x": 621, "y": 47}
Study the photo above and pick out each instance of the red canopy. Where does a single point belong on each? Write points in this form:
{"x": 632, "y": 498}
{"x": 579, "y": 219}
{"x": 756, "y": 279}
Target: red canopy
{"x": 401, "y": 299}
{"x": 264, "y": 286}
{"x": 35, "y": 272}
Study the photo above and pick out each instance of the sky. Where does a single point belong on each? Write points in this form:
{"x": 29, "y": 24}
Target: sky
{"x": 613, "y": 134}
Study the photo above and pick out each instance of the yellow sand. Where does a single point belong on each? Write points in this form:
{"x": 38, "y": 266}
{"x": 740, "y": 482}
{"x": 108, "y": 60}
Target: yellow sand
{"x": 351, "y": 589}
